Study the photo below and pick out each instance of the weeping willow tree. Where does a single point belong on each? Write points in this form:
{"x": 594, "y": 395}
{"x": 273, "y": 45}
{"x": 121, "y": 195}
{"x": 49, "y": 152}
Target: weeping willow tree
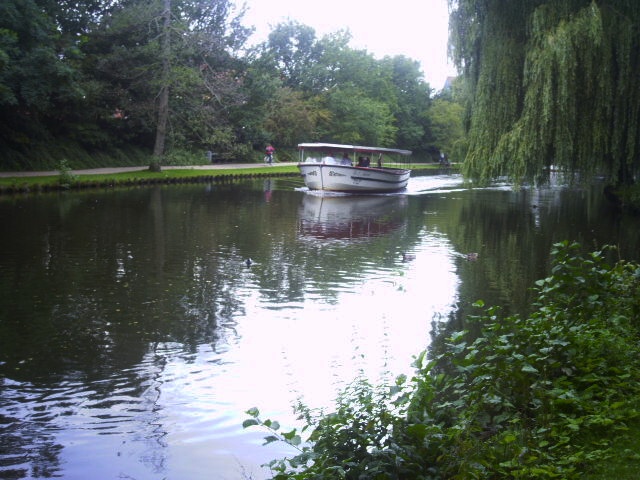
{"x": 551, "y": 83}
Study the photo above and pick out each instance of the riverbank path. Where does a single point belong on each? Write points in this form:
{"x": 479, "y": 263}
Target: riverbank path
{"x": 110, "y": 170}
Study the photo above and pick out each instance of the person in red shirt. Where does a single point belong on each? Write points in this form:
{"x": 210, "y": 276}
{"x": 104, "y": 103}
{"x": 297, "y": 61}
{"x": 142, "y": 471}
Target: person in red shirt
{"x": 269, "y": 157}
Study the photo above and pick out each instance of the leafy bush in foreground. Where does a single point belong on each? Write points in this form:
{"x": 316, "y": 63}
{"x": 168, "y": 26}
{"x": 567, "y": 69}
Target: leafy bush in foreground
{"x": 538, "y": 397}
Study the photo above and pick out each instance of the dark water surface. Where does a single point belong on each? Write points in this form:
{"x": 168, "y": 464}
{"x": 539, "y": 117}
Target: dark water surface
{"x": 133, "y": 336}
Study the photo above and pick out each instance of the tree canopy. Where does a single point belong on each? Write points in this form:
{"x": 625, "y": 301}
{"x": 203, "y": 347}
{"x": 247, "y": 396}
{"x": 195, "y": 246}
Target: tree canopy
{"x": 90, "y": 76}
{"x": 551, "y": 83}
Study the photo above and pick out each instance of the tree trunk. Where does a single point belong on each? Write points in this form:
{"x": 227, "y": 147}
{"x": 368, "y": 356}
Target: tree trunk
{"x": 163, "y": 101}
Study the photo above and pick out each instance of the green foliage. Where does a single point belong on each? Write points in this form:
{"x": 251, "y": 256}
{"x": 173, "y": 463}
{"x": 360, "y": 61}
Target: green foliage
{"x": 294, "y": 49}
{"x": 412, "y": 103}
{"x": 346, "y": 94}
{"x": 355, "y": 441}
{"x": 203, "y": 80}
{"x": 539, "y": 397}
{"x": 67, "y": 177}
{"x": 446, "y": 127}
{"x": 87, "y": 76}
{"x": 630, "y": 197}
{"x": 97, "y": 84}
{"x": 358, "y": 119}
{"x": 290, "y": 119}
{"x": 551, "y": 84}
{"x": 38, "y": 83}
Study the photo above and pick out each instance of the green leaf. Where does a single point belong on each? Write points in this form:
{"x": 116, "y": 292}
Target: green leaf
{"x": 270, "y": 439}
{"x": 250, "y": 422}
{"x": 254, "y": 412}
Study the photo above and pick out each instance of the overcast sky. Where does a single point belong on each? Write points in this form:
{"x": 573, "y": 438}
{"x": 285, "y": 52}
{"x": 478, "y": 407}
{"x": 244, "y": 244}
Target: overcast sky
{"x": 417, "y": 29}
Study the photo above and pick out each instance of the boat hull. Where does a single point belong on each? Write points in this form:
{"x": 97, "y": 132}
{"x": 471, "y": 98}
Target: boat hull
{"x": 342, "y": 178}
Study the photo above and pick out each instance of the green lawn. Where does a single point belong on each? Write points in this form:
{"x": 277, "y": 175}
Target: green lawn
{"x": 20, "y": 183}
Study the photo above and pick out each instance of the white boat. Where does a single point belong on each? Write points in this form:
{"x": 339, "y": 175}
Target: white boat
{"x": 350, "y": 168}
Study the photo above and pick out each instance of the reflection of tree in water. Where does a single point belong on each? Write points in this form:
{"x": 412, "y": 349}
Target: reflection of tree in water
{"x": 79, "y": 334}
{"x": 210, "y": 303}
{"x": 514, "y": 231}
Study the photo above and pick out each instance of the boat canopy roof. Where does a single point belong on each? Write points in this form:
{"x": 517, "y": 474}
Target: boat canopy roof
{"x": 334, "y": 147}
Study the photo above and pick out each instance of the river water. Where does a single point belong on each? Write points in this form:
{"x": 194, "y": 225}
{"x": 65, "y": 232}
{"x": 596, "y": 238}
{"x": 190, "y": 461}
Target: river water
{"x": 134, "y": 336}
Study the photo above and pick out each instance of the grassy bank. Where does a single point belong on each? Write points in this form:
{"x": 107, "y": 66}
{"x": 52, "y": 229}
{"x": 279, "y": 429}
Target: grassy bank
{"x": 66, "y": 179}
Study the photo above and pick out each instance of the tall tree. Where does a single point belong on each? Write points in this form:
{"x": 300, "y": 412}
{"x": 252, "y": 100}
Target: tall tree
{"x": 413, "y": 102}
{"x": 551, "y": 83}
{"x": 144, "y": 50}
{"x": 294, "y": 49}
{"x": 356, "y": 118}
{"x": 359, "y": 98}
{"x": 445, "y": 117}
{"x": 290, "y": 119}
{"x": 38, "y": 78}
{"x": 163, "y": 99}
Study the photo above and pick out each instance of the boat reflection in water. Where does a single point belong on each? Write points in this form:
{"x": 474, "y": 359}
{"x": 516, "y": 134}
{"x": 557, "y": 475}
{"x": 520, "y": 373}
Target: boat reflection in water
{"x": 351, "y": 217}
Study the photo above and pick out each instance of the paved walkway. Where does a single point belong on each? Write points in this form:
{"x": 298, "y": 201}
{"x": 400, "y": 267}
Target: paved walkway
{"x": 102, "y": 171}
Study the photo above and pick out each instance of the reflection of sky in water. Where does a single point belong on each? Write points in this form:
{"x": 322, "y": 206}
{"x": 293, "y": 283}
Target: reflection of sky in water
{"x": 308, "y": 351}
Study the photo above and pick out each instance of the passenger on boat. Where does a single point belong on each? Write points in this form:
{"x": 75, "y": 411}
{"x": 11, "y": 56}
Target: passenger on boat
{"x": 363, "y": 161}
{"x": 346, "y": 160}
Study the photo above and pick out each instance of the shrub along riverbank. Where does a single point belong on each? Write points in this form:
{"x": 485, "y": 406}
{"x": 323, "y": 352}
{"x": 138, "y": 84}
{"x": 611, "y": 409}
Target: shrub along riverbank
{"x": 553, "y": 394}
